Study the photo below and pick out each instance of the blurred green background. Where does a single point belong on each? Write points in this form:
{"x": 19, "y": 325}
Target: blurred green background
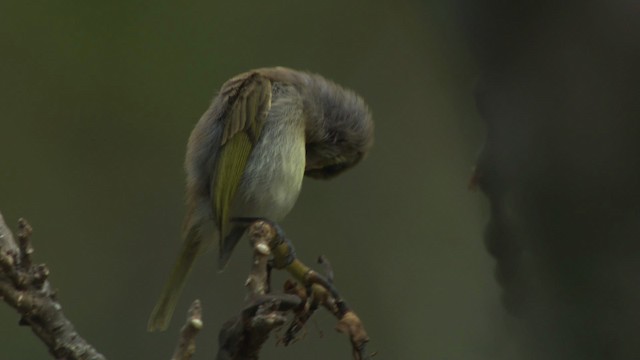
{"x": 97, "y": 100}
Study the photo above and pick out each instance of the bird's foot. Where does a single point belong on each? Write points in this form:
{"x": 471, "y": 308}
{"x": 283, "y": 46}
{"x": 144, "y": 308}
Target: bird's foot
{"x": 246, "y": 221}
{"x": 284, "y": 253}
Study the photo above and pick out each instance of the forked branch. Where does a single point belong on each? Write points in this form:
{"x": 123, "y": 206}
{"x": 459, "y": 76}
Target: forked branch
{"x": 242, "y": 337}
{"x": 26, "y": 288}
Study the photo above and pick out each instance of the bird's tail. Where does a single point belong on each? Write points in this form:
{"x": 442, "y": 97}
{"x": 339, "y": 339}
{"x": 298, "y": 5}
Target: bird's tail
{"x": 228, "y": 243}
{"x": 162, "y": 312}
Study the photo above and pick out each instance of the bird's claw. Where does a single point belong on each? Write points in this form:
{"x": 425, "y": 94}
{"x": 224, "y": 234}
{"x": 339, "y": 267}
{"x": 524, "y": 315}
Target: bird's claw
{"x": 279, "y": 239}
{"x": 249, "y": 220}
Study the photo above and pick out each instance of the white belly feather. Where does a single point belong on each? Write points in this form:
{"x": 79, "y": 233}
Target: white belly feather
{"x": 273, "y": 176}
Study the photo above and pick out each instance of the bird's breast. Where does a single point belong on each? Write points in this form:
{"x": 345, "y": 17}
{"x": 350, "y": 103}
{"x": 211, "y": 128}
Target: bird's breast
{"x": 273, "y": 176}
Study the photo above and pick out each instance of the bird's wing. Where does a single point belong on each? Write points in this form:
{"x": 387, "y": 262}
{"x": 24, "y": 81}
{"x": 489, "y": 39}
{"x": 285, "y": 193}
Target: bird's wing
{"x": 248, "y": 99}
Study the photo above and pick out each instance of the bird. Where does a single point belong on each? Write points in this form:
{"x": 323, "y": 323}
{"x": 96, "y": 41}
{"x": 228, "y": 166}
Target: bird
{"x": 247, "y": 155}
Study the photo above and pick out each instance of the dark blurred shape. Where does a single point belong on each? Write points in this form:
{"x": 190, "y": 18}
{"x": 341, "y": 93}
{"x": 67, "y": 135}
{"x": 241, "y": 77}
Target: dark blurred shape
{"x": 559, "y": 90}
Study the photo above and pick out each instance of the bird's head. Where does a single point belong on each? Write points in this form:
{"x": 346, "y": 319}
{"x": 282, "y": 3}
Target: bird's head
{"x": 339, "y": 128}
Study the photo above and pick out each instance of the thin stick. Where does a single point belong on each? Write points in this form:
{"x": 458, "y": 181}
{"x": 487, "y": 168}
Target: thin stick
{"x": 26, "y": 288}
{"x": 187, "y": 341}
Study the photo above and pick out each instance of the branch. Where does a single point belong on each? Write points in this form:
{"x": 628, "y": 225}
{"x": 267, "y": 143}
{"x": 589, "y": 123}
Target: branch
{"x": 187, "y": 342}
{"x": 242, "y": 337}
{"x": 317, "y": 289}
{"x": 25, "y": 287}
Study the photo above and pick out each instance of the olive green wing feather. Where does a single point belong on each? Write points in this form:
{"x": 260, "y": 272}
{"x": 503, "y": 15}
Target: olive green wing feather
{"x": 246, "y": 100}
{"x": 249, "y": 103}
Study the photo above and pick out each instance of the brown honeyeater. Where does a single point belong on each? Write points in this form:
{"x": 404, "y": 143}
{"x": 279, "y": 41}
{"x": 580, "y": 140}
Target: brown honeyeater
{"x": 248, "y": 153}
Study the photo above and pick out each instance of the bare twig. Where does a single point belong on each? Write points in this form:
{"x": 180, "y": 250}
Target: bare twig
{"x": 25, "y": 287}
{"x": 187, "y": 342}
{"x": 351, "y": 325}
{"x": 348, "y": 321}
{"x": 7, "y": 242}
{"x": 242, "y": 337}
{"x": 318, "y": 289}
{"x": 24, "y": 234}
{"x": 257, "y": 282}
